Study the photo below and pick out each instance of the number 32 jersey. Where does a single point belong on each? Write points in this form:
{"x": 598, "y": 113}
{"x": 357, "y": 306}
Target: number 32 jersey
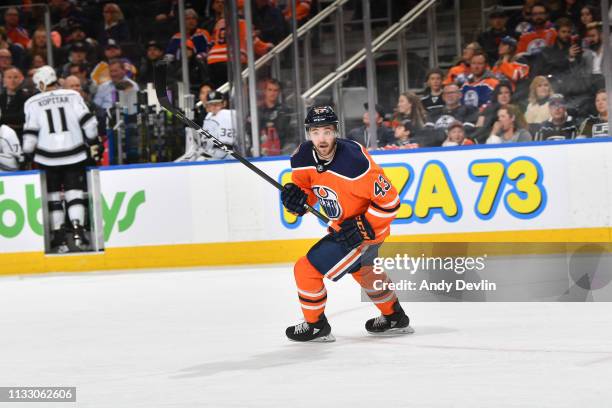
{"x": 350, "y": 185}
{"x": 58, "y": 125}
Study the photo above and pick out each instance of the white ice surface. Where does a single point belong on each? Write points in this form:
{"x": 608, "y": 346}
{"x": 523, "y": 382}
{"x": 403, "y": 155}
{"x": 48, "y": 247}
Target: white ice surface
{"x": 215, "y": 338}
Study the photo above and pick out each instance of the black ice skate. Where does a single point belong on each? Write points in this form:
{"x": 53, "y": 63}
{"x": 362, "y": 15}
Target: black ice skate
{"x": 315, "y": 332}
{"x": 391, "y": 325}
{"x": 58, "y": 241}
{"x": 78, "y": 235}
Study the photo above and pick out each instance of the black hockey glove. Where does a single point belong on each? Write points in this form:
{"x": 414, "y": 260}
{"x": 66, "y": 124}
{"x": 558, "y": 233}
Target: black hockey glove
{"x": 354, "y": 231}
{"x": 294, "y": 198}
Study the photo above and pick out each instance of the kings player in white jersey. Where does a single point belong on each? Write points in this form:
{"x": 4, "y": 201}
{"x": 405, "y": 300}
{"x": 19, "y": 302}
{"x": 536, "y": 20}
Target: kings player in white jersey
{"x": 57, "y": 132}
{"x": 10, "y": 150}
{"x": 221, "y": 123}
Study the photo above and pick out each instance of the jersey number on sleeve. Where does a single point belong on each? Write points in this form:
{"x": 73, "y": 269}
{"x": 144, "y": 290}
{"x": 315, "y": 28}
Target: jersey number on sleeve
{"x": 381, "y": 186}
{"x": 62, "y": 117}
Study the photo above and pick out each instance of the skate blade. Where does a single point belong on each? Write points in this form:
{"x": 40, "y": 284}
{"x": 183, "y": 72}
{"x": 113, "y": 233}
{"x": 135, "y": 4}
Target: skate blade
{"x": 393, "y": 332}
{"x": 323, "y": 339}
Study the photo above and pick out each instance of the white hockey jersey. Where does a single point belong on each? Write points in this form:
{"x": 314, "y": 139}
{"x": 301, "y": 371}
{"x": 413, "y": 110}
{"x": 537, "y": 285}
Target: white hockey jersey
{"x": 58, "y": 125}
{"x": 10, "y": 150}
{"x": 223, "y": 126}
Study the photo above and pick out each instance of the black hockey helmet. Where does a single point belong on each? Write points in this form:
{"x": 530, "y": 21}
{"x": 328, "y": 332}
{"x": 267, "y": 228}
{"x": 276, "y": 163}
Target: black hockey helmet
{"x": 320, "y": 115}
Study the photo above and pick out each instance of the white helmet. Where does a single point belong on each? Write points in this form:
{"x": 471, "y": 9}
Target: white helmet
{"x": 43, "y": 77}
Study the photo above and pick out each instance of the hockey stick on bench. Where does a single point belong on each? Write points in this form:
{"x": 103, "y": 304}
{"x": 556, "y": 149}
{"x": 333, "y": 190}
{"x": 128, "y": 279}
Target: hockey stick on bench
{"x": 159, "y": 75}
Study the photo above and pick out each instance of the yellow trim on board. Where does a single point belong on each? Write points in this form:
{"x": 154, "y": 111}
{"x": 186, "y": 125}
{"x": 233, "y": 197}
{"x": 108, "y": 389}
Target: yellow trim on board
{"x": 260, "y": 252}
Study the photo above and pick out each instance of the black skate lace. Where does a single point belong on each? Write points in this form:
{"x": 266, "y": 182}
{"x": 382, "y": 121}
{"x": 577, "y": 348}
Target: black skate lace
{"x": 301, "y": 328}
{"x": 380, "y": 321}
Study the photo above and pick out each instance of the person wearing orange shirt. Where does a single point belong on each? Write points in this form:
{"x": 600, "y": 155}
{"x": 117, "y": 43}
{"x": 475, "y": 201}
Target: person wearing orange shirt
{"x": 361, "y": 202}
{"x": 219, "y": 52}
{"x": 541, "y": 35}
{"x": 507, "y": 68}
{"x": 16, "y": 33}
{"x": 458, "y": 73}
{"x": 302, "y": 10}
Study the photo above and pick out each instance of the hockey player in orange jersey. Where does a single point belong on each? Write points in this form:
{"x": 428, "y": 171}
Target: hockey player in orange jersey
{"x": 357, "y": 196}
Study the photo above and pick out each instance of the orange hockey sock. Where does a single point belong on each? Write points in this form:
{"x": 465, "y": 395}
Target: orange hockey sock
{"x": 311, "y": 289}
{"x": 369, "y": 281}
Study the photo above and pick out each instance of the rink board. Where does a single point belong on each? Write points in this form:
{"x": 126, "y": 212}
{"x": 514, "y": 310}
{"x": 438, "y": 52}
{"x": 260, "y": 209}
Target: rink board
{"x": 220, "y": 213}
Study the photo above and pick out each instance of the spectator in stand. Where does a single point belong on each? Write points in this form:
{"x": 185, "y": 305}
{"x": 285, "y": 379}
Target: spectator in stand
{"x": 80, "y": 71}
{"x": 76, "y": 34}
{"x": 491, "y": 38}
{"x": 409, "y": 108}
{"x": 302, "y": 9}
{"x": 73, "y": 82}
{"x": 507, "y": 68}
{"x": 560, "y": 126}
{"x": 275, "y": 133}
{"x": 199, "y": 37}
{"x": 593, "y": 42}
{"x": 113, "y": 25}
{"x": 384, "y": 135}
{"x": 198, "y": 71}
{"x": 106, "y": 94}
{"x": 588, "y": 15}
{"x": 570, "y": 9}
{"x": 12, "y": 100}
{"x": 520, "y": 22}
{"x": 38, "y": 46}
{"x": 479, "y": 87}
{"x": 538, "y": 110}
{"x": 218, "y": 54}
{"x": 6, "y": 62}
{"x": 542, "y": 33}
{"x": 402, "y": 137}
{"x": 453, "y": 110}
{"x": 78, "y": 55}
{"x": 17, "y": 52}
{"x": 64, "y": 13}
{"x": 112, "y": 51}
{"x": 456, "y": 135}
{"x": 510, "y": 127}
{"x": 567, "y": 66}
{"x": 167, "y": 10}
{"x": 215, "y": 13}
{"x": 432, "y": 98}
{"x": 596, "y": 125}
{"x": 14, "y": 32}
{"x": 268, "y": 21}
{"x": 155, "y": 53}
{"x": 459, "y": 72}
{"x": 502, "y": 97}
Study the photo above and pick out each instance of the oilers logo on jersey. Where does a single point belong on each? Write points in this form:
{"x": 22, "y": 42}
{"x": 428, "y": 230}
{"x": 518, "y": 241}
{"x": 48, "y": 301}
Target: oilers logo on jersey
{"x": 328, "y": 199}
{"x": 470, "y": 98}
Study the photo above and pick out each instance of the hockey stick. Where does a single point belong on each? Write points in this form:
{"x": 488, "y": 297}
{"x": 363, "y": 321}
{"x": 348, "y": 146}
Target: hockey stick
{"x": 159, "y": 75}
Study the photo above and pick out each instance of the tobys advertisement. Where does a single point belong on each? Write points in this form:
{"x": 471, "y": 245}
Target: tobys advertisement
{"x": 212, "y": 213}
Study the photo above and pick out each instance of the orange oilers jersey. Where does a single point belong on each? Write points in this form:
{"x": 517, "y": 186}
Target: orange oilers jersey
{"x": 457, "y": 73}
{"x": 512, "y": 70}
{"x": 532, "y": 42}
{"x": 350, "y": 185}
{"x": 220, "y": 52}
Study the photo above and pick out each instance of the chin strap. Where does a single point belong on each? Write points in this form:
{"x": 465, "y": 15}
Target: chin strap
{"x": 323, "y": 164}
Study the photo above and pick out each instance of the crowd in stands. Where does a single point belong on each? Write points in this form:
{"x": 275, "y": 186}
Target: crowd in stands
{"x": 532, "y": 75}
{"x": 535, "y": 74}
{"x": 95, "y": 45}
